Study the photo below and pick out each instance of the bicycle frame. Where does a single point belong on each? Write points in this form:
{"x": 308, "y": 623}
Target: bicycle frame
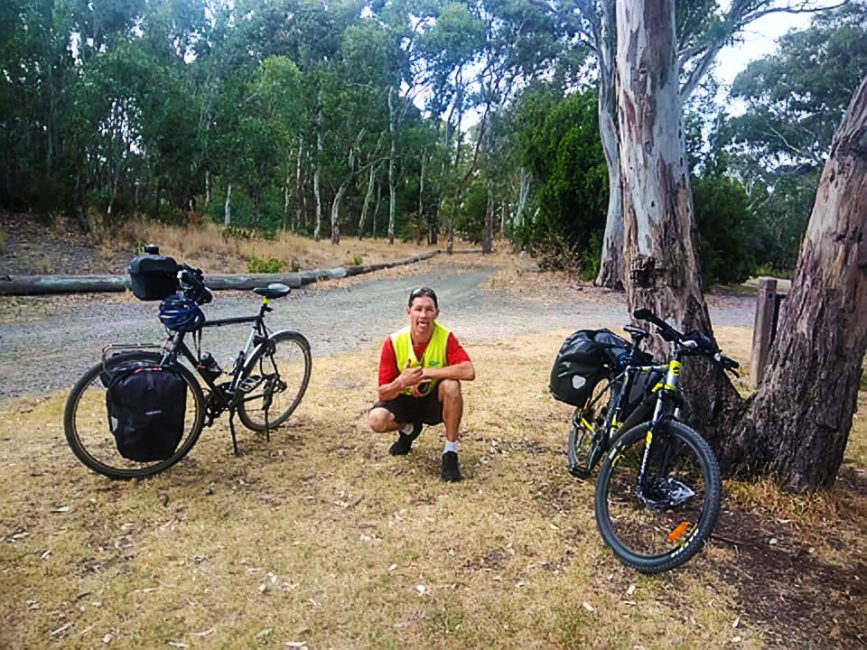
{"x": 653, "y": 405}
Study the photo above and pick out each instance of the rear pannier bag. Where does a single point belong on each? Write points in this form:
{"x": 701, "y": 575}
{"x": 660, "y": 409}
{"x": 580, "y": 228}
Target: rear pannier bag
{"x": 146, "y": 407}
{"x": 153, "y": 276}
{"x": 585, "y": 358}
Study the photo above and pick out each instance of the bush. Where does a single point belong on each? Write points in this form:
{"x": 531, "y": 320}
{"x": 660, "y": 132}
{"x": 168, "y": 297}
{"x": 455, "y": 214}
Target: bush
{"x": 727, "y": 229}
{"x": 236, "y": 233}
{"x": 264, "y": 265}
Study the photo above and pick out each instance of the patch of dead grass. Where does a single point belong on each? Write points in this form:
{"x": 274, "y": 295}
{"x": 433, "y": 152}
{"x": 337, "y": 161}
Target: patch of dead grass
{"x": 322, "y": 537}
{"x": 204, "y": 247}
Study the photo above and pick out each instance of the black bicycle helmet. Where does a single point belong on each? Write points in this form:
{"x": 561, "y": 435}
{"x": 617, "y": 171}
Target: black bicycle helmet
{"x": 181, "y": 314}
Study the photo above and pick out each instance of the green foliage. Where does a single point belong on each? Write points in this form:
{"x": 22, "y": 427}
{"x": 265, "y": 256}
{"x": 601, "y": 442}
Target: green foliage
{"x": 562, "y": 148}
{"x": 794, "y": 100}
{"x": 727, "y": 229}
{"x": 265, "y": 265}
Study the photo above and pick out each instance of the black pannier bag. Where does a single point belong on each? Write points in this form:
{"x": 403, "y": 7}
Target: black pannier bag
{"x": 146, "y": 408}
{"x": 153, "y": 276}
{"x": 585, "y": 358}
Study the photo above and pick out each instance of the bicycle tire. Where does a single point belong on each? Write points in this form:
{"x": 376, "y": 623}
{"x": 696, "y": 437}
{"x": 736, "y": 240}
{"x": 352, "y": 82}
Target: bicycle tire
{"x": 583, "y": 447}
{"x": 85, "y": 422}
{"x": 286, "y": 358}
{"x": 648, "y": 529}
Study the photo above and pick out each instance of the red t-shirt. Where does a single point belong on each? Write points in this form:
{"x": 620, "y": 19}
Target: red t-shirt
{"x": 388, "y": 370}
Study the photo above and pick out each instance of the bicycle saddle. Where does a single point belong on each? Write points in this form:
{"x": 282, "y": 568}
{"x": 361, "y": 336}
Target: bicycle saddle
{"x": 273, "y": 290}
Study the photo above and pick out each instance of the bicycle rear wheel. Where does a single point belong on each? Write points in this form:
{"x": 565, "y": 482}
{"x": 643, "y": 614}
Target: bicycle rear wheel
{"x": 275, "y": 379}
{"x": 661, "y": 523}
{"x": 583, "y": 448}
{"x": 85, "y": 421}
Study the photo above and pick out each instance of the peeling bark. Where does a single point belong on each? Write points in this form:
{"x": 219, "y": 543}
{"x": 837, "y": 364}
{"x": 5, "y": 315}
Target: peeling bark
{"x": 659, "y": 226}
{"x": 798, "y": 423}
{"x": 611, "y": 264}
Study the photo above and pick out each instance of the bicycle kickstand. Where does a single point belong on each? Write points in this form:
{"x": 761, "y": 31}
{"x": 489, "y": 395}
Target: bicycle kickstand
{"x": 232, "y": 429}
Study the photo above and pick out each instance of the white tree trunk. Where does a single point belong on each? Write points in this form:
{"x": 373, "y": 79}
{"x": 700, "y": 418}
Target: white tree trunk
{"x": 317, "y": 229}
{"x": 392, "y": 190}
{"x": 421, "y": 194}
{"x": 368, "y": 196}
{"x": 299, "y": 190}
{"x": 286, "y": 202}
{"x": 611, "y": 266}
{"x": 227, "y": 208}
{"x": 523, "y": 194}
{"x": 659, "y": 227}
{"x": 207, "y": 188}
{"x": 488, "y": 235}
{"x": 335, "y": 212}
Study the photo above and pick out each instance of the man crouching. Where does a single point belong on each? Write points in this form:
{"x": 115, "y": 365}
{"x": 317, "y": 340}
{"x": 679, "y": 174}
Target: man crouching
{"x": 420, "y": 373}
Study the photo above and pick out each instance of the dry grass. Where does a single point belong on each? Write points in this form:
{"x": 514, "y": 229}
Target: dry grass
{"x": 321, "y": 537}
{"x": 204, "y": 247}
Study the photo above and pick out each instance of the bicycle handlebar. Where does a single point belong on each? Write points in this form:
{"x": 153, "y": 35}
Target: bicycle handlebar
{"x": 694, "y": 342}
{"x": 193, "y": 281}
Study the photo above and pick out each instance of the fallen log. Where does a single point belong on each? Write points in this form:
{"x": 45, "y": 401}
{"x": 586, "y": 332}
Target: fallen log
{"x": 31, "y": 285}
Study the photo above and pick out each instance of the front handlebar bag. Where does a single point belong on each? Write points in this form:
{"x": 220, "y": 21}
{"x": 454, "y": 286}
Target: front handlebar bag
{"x": 585, "y": 358}
{"x": 153, "y": 276}
{"x": 146, "y": 409}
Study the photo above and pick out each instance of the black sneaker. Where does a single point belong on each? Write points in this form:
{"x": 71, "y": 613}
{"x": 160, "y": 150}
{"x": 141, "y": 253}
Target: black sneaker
{"x": 451, "y": 471}
{"x": 403, "y": 444}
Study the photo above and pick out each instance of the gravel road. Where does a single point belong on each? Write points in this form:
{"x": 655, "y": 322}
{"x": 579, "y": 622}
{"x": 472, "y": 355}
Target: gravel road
{"x": 55, "y": 340}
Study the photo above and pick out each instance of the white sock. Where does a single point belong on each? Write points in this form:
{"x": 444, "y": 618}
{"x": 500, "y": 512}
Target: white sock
{"x": 451, "y": 446}
{"x": 407, "y": 429}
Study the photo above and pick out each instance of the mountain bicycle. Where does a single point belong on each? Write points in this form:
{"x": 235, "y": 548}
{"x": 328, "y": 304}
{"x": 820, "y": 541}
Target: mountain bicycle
{"x": 658, "y": 493}
{"x": 264, "y": 387}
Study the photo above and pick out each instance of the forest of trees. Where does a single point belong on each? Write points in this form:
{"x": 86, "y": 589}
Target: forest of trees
{"x": 415, "y": 119}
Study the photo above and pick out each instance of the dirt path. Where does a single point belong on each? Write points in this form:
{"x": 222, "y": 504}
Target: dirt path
{"x": 46, "y": 343}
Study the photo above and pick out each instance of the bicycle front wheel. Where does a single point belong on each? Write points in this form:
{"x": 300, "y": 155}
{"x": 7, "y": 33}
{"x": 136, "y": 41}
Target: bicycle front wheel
{"x": 85, "y": 421}
{"x": 275, "y": 380}
{"x": 658, "y": 519}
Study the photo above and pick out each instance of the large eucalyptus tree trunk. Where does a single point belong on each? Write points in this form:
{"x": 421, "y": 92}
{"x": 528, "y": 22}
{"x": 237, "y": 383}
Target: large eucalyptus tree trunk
{"x": 798, "y": 423}
{"x": 612, "y": 262}
{"x": 662, "y": 266}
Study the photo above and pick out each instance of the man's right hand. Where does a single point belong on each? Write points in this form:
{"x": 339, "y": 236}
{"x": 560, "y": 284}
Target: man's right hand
{"x": 411, "y": 377}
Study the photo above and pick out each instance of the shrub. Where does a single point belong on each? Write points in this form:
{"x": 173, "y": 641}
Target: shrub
{"x": 264, "y": 265}
{"x": 236, "y": 233}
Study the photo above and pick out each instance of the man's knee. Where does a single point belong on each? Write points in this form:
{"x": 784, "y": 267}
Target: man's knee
{"x": 450, "y": 389}
{"x": 380, "y": 420}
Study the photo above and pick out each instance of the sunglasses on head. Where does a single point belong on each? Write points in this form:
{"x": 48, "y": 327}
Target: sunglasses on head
{"x": 420, "y": 292}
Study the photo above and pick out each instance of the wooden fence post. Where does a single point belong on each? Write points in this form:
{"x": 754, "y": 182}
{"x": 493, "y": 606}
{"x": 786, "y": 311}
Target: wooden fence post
{"x": 763, "y": 328}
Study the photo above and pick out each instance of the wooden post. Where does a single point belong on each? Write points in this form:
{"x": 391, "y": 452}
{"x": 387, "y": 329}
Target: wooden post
{"x": 763, "y": 327}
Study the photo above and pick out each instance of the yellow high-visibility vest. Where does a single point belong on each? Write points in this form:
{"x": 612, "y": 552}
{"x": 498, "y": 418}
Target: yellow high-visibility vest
{"x": 434, "y": 355}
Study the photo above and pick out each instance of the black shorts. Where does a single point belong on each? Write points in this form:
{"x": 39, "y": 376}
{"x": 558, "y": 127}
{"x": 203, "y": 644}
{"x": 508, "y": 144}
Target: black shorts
{"x": 406, "y": 408}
